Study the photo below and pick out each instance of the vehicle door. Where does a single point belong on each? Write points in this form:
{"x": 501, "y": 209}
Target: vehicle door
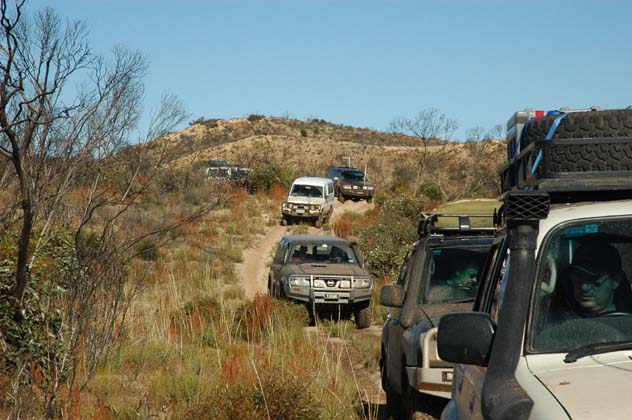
{"x": 329, "y": 196}
{"x": 277, "y": 264}
{"x": 468, "y": 380}
{"x": 395, "y": 329}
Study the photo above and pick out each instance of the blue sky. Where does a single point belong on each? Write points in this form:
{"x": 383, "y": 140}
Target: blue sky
{"x": 364, "y": 62}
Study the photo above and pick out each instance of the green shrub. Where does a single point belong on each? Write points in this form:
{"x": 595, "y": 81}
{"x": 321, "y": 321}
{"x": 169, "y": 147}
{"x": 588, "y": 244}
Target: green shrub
{"x": 386, "y": 242}
{"x": 303, "y": 132}
{"x": 255, "y": 117}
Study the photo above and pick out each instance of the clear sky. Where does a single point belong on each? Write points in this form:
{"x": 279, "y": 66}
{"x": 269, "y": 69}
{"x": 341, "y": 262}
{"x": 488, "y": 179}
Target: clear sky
{"x": 365, "y": 62}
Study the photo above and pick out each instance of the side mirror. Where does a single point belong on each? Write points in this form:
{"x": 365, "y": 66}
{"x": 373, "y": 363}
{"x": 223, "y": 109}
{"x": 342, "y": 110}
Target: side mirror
{"x": 335, "y": 178}
{"x": 392, "y": 295}
{"x": 466, "y": 337}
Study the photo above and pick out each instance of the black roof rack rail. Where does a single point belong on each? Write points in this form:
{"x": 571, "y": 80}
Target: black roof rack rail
{"x": 427, "y": 225}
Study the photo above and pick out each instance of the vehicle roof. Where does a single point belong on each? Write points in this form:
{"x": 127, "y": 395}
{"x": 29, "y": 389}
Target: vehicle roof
{"x": 560, "y": 213}
{"x": 311, "y": 180}
{"x": 315, "y": 239}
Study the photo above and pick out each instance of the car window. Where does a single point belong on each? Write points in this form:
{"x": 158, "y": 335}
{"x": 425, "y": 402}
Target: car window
{"x": 352, "y": 175}
{"x": 583, "y": 293}
{"x": 314, "y": 191}
{"x": 323, "y": 252}
{"x": 453, "y": 274}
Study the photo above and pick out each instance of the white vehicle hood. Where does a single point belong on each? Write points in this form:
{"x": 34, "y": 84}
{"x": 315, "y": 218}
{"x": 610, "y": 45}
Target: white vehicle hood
{"x": 594, "y": 387}
{"x": 305, "y": 200}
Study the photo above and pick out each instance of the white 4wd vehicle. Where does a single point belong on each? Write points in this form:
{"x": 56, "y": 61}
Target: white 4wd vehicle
{"x": 551, "y": 337}
{"x": 311, "y": 199}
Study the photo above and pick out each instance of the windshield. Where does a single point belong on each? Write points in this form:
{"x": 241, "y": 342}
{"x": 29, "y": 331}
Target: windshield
{"x": 583, "y": 293}
{"x": 323, "y": 252}
{"x": 454, "y": 273}
{"x": 353, "y": 175}
{"x": 307, "y": 191}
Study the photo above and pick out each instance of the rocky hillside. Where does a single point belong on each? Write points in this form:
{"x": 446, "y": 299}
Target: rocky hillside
{"x": 309, "y": 147}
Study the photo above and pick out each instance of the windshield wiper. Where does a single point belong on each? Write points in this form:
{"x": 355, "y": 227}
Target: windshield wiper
{"x": 596, "y": 348}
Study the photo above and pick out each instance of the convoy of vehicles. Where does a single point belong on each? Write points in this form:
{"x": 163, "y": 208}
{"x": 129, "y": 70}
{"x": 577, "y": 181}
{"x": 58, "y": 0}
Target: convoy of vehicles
{"x": 551, "y": 335}
{"x": 440, "y": 274}
{"x": 517, "y": 321}
{"x": 236, "y": 174}
{"x": 325, "y": 273}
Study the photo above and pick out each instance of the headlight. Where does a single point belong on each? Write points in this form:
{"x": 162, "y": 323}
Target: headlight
{"x": 370, "y": 187}
{"x": 361, "y": 283}
{"x": 346, "y": 187}
{"x": 345, "y": 284}
{"x": 319, "y": 283}
{"x": 299, "y": 281}
{"x": 315, "y": 207}
{"x": 284, "y": 205}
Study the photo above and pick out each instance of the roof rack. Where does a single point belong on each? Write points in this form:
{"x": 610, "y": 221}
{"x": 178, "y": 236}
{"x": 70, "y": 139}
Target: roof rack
{"x": 428, "y": 225}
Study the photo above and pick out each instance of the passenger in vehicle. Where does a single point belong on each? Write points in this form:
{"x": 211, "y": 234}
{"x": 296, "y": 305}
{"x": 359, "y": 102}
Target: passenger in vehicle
{"x": 338, "y": 255}
{"x": 592, "y": 279}
{"x": 300, "y": 254}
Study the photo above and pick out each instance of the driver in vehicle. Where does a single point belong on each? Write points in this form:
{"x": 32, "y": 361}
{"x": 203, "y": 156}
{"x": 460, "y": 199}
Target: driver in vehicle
{"x": 594, "y": 275}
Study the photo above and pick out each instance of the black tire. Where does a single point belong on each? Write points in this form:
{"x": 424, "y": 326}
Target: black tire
{"x": 341, "y": 197}
{"x": 284, "y": 221}
{"x": 362, "y": 316}
{"x": 577, "y": 125}
{"x": 369, "y": 199}
{"x": 571, "y": 156}
{"x": 270, "y": 287}
{"x": 318, "y": 223}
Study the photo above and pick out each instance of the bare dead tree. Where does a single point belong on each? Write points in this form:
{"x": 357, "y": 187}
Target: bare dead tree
{"x": 430, "y": 126}
{"x": 475, "y": 134}
{"x": 67, "y": 117}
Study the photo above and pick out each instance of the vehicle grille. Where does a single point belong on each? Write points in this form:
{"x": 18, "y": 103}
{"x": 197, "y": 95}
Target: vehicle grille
{"x": 333, "y": 282}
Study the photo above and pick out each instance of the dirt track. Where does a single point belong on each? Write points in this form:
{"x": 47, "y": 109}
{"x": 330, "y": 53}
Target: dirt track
{"x": 253, "y": 273}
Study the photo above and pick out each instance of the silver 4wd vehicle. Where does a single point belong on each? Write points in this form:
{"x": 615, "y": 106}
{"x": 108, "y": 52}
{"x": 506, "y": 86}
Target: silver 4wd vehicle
{"x": 439, "y": 275}
{"x": 325, "y": 273}
{"x": 551, "y": 337}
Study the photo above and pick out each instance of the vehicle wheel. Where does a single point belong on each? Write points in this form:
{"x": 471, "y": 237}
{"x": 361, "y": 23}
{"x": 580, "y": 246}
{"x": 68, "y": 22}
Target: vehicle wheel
{"x": 362, "y": 316}
{"x": 311, "y": 315}
{"x": 318, "y": 222}
{"x": 284, "y": 221}
{"x": 369, "y": 199}
{"x": 341, "y": 197}
{"x": 270, "y": 287}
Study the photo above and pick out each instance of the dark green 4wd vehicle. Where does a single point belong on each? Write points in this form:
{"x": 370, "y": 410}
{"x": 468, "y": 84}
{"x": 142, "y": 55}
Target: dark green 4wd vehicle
{"x": 440, "y": 274}
{"x": 351, "y": 184}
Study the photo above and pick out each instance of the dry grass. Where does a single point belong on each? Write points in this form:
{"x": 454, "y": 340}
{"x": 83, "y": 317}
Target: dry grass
{"x": 194, "y": 348}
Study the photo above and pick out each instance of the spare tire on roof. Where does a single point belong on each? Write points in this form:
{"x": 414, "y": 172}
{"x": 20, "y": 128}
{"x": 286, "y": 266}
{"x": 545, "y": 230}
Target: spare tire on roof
{"x": 578, "y": 125}
{"x": 589, "y": 151}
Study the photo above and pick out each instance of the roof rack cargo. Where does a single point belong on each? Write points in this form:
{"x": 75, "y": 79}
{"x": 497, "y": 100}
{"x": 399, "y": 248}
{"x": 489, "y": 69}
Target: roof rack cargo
{"x": 573, "y": 155}
{"x": 428, "y": 225}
